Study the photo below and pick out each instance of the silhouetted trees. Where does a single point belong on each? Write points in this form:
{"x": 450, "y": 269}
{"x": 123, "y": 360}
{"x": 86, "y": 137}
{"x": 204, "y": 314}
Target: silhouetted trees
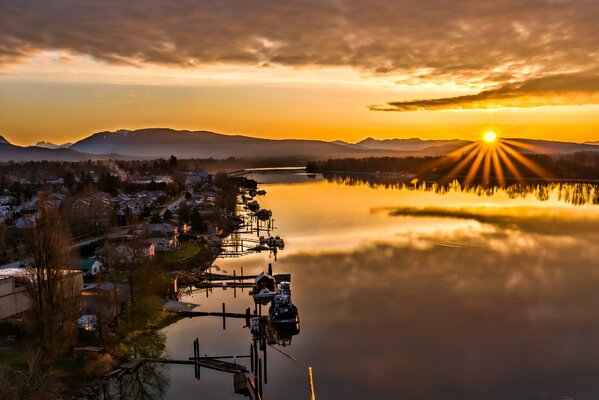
{"x": 51, "y": 287}
{"x": 575, "y": 166}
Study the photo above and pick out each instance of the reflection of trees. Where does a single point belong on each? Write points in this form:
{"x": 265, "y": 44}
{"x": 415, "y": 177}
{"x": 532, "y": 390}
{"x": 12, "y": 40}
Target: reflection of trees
{"x": 570, "y": 193}
{"x": 149, "y": 381}
{"x": 147, "y": 344}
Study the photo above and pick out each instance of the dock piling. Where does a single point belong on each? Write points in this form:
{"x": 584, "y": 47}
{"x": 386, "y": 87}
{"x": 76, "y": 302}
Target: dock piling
{"x": 260, "y": 377}
{"x": 196, "y": 356}
{"x": 265, "y": 368}
{"x": 251, "y": 357}
{"x": 234, "y": 286}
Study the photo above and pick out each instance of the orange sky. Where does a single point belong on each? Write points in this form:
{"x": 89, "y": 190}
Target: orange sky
{"x": 343, "y": 69}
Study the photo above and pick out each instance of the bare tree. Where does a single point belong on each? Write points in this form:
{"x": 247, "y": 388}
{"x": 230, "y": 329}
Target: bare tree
{"x": 51, "y": 287}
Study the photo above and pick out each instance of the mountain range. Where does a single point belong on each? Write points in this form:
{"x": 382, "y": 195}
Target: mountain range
{"x": 163, "y": 142}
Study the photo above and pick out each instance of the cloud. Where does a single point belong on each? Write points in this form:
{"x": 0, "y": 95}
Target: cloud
{"x": 561, "y": 89}
{"x": 469, "y": 41}
{"x": 548, "y": 221}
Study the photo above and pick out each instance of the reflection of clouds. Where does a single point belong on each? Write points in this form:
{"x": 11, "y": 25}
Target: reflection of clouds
{"x": 509, "y": 314}
{"x": 554, "y": 221}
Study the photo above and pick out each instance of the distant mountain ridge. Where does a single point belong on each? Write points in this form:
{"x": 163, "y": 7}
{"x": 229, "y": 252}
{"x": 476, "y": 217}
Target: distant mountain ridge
{"x": 10, "y": 152}
{"x": 163, "y": 142}
{"x": 49, "y": 145}
{"x": 412, "y": 144}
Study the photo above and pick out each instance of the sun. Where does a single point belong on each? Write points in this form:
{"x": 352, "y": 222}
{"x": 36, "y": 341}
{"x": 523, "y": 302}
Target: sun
{"x": 490, "y": 137}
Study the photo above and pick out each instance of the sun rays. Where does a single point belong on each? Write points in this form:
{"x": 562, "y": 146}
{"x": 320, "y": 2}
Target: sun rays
{"x": 490, "y": 161}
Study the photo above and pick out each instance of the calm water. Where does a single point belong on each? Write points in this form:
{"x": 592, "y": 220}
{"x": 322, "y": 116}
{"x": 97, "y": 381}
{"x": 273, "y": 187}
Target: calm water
{"x": 416, "y": 294}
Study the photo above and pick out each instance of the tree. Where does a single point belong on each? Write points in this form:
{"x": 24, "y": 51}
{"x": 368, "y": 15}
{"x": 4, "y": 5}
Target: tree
{"x": 69, "y": 180}
{"x": 197, "y": 222}
{"x": 51, "y": 287}
{"x": 172, "y": 162}
{"x": 184, "y": 213}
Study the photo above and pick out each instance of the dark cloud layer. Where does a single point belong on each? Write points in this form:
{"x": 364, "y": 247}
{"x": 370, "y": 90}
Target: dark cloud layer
{"x": 463, "y": 40}
{"x": 563, "y": 89}
{"x": 522, "y": 46}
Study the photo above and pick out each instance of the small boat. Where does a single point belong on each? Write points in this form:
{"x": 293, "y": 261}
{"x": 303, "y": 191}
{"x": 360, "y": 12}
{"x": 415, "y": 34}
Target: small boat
{"x": 265, "y": 289}
{"x": 283, "y": 313}
{"x": 263, "y": 215}
{"x": 253, "y": 206}
{"x": 272, "y": 242}
{"x": 279, "y": 242}
{"x": 285, "y": 289}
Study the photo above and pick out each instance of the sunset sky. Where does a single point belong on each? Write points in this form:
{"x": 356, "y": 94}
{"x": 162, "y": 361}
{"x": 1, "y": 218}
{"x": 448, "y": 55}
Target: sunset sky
{"x": 319, "y": 69}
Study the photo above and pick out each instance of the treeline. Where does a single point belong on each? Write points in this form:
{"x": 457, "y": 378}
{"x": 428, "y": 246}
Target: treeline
{"x": 371, "y": 164}
{"x": 575, "y": 166}
{"x": 43, "y": 171}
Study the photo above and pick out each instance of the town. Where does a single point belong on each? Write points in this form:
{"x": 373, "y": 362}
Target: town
{"x": 91, "y": 252}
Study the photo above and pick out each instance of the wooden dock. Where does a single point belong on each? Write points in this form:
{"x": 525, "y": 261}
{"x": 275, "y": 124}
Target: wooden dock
{"x": 206, "y": 362}
{"x": 191, "y": 314}
{"x": 226, "y": 277}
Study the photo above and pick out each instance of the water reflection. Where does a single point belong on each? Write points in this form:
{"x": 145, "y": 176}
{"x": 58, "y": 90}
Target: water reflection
{"x": 569, "y": 193}
{"x": 149, "y": 381}
{"x": 420, "y": 292}
{"x": 502, "y": 315}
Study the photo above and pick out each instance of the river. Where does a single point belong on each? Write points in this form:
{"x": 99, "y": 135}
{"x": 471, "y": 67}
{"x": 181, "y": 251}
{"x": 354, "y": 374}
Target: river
{"x": 415, "y": 293}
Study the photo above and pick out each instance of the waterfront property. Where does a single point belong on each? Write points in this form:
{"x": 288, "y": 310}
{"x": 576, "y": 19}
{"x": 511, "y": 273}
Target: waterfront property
{"x": 13, "y": 297}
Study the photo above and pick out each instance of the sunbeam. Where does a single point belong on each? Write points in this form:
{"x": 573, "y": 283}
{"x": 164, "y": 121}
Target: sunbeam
{"x": 488, "y": 160}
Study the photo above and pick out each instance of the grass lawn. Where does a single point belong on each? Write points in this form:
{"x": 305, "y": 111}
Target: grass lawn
{"x": 186, "y": 250}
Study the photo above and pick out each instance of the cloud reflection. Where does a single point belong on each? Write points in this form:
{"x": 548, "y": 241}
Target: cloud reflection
{"x": 511, "y": 314}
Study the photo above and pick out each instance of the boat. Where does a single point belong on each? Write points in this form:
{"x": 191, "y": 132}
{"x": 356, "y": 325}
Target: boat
{"x": 265, "y": 289}
{"x": 279, "y": 242}
{"x": 263, "y": 215}
{"x": 253, "y": 206}
{"x": 283, "y": 313}
{"x": 285, "y": 289}
{"x": 272, "y": 242}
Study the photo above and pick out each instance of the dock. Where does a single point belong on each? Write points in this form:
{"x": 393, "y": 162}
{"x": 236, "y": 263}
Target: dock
{"x": 206, "y": 362}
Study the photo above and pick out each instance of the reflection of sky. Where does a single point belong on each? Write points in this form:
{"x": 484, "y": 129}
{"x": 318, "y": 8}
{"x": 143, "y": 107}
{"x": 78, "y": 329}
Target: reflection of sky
{"x": 502, "y": 305}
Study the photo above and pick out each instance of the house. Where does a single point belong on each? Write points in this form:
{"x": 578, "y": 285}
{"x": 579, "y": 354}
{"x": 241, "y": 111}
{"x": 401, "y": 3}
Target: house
{"x": 13, "y": 293}
{"x": 89, "y": 266}
{"x": 196, "y": 177}
{"x": 165, "y": 236}
{"x": 265, "y": 281}
{"x": 13, "y": 297}
{"x": 94, "y": 211}
{"x": 6, "y": 200}
{"x": 130, "y": 207}
{"x": 127, "y": 253}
